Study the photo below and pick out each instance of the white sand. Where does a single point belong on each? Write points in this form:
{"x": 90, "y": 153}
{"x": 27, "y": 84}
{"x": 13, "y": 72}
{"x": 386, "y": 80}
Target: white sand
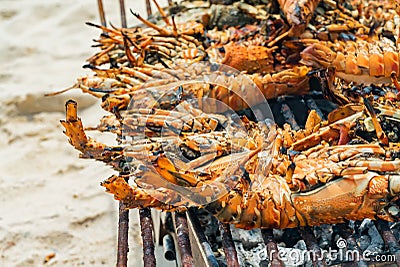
{"x": 51, "y": 201}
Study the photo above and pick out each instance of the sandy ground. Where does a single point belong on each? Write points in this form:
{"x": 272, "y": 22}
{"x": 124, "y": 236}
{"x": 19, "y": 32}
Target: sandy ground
{"x": 51, "y": 201}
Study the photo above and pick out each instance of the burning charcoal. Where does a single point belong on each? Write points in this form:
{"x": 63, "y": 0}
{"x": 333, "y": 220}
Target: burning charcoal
{"x": 323, "y": 234}
{"x": 210, "y": 226}
{"x": 377, "y": 244}
{"x": 364, "y": 242}
{"x": 249, "y": 238}
{"x": 241, "y": 253}
{"x": 257, "y": 254}
{"x": 291, "y": 236}
{"x": 221, "y": 259}
{"x": 395, "y": 227}
{"x": 300, "y": 245}
{"x": 278, "y": 234}
{"x": 364, "y": 226}
{"x": 296, "y": 256}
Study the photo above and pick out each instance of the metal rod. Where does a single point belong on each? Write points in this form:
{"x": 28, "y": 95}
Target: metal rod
{"x": 148, "y": 8}
{"x": 389, "y": 239}
{"x": 200, "y": 238}
{"x": 123, "y": 226}
{"x": 182, "y": 234}
{"x": 101, "y": 13}
{"x": 123, "y": 13}
{"x": 146, "y": 226}
{"x": 312, "y": 245}
{"x": 229, "y": 245}
{"x": 272, "y": 248}
{"x": 169, "y": 248}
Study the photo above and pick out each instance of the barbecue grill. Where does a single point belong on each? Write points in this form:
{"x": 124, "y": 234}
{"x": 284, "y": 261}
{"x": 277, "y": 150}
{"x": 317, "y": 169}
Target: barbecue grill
{"x": 196, "y": 238}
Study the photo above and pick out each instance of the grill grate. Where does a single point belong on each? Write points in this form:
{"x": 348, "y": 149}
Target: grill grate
{"x": 228, "y": 244}
{"x": 146, "y": 226}
{"x": 183, "y": 241}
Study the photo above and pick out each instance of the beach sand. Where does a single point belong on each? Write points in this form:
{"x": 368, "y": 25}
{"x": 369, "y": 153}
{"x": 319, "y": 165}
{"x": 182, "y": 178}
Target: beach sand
{"x": 51, "y": 201}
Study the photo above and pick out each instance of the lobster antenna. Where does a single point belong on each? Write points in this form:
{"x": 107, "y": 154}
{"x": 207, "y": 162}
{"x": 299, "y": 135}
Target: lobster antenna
{"x": 280, "y": 37}
{"x": 62, "y": 91}
{"x": 378, "y": 128}
{"x": 131, "y": 59}
{"x": 122, "y": 10}
{"x": 105, "y": 29}
{"x": 161, "y": 30}
{"x": 162, "y": 13}
{"x": 101, "y": 13}
{"x": 148, "y": 8}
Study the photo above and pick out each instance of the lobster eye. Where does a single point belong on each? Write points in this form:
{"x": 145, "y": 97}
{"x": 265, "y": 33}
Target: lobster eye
{"x": 355, "y": 88}
{"x": 221, "y": 49}
{"x": 344, "y": 37}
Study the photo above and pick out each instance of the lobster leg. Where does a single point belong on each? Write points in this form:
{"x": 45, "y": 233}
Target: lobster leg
{"x": 135, "y": 197}
{"x": 378, "y": 128}
{"x": 396, "y": 83}
{"x": 89, "y": 147}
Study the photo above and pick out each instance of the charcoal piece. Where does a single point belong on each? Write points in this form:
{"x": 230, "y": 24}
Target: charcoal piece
{"x": 249, "y": 238}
